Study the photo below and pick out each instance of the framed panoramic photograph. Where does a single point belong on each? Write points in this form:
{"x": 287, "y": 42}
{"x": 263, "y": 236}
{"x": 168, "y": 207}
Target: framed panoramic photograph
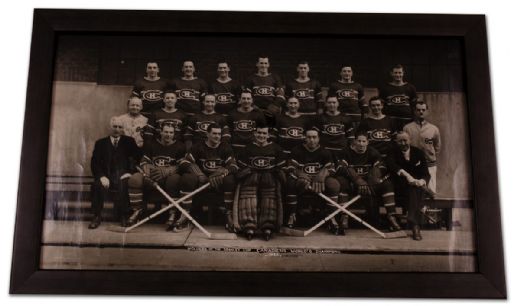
{"x": 258, "y": 154}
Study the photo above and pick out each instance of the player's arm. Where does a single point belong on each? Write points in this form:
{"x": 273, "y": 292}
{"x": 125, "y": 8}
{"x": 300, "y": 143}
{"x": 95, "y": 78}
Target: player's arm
{"x": 437, "y": 141}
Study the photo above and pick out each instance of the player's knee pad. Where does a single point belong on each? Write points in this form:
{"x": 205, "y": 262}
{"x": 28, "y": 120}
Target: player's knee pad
{"x": 228, "y": 184}
{"x": 188, "y": 182}
{"x": 135, "y": 181}
{"x": 332, "y": 186}
{"x": 172, "y": 182}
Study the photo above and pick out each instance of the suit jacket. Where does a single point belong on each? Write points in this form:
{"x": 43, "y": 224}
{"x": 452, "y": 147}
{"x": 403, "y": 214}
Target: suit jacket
{"x": 114, "y": 162}
{"x": 416, "y": 166}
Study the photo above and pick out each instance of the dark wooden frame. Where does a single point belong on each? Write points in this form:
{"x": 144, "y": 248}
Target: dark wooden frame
{"x": 26, "y": 277}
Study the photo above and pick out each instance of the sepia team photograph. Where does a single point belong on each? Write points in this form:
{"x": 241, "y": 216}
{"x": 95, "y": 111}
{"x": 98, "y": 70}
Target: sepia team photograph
{"x": 258, "y": 153}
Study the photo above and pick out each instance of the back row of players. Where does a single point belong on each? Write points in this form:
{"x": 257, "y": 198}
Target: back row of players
{"x": 310, "y": 147}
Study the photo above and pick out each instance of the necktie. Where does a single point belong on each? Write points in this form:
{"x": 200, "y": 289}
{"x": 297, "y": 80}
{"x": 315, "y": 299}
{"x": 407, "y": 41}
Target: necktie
{"x": 116, "y": 140}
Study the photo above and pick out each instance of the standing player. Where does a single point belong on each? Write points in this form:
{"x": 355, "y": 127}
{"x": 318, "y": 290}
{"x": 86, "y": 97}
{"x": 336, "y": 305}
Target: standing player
{"x": 243, "y": 121}
{"x": 310, "y": 168}
{"x": 360, "y": 172}
{"x": 134, "y": 123}
{"x": 150, "y": 89}
{"x": 197, "y": 126}
{"x": 260, "y": 163}
{"x": 290, "y": 126}
{"x": 267, "y": 89}
{"x": 380, "y": 128}
{"x": 169, "y": 115}
{"x": 426, "y": 137}
{"x": 399, "y": 97}
{"x": 189, "y": 89}
{"x": 225, "y": 89}
{"x": 350, "y": 95}
{"x": 213, "y": 161}
{"x": 335, "y": 128}
{"x": 307, "y": 90}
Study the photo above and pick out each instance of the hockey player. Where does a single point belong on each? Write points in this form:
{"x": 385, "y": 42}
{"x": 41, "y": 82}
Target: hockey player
{"x": 399, "y": 97}
{"x": 307, "y": 90}
{"x": 260, "y": 167}
{"x": 426, "y": 137}
{"x": 380, "y": 128}
{"x": 213, "y": 161}
{"x": 267, "y": 89}
{"x": 335, "y": 128}
{"x": 161, "y": 161}
{"x": 409, "y": 170}
{"x": 350, "y": 95}
{"x": 226, "y": 90}
{"x": 290, "y": 126}
{"x": 189, "y": 89}
{"x": 360, "y": 171}
{"x": 196, "y": 130}
{"x": 243, "y": 121}
{"x": 134, "y": 123}
{"x": 310, "y": 168}
{"x": 169, "y": 115}
{"x": 150, "y": 89}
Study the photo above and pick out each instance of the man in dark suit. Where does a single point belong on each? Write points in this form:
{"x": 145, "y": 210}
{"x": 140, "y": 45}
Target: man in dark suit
{"x": 410, "y": 175}
{"x": 112, "y": 163}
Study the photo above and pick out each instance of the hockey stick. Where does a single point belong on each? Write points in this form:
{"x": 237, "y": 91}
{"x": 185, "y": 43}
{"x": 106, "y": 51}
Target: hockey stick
{"x": 300, "y": 233}
{"x": 397, "y": 234}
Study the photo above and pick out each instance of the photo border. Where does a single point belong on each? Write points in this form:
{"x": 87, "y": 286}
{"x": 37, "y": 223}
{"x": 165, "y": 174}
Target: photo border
{"x": 26, "y": 276}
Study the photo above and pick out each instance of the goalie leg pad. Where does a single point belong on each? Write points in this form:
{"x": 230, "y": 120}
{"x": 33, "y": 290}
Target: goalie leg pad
{"x": 268, "y": 209}
{"x": 247, "y": 208}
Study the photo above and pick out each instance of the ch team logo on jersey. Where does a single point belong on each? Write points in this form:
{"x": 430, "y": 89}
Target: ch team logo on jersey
{"x": 302, "y": 93}
{"x": 152, "y": 95}
{"x": 347, "y": 94}
{"x": 428, "y": 141}
{"x": 211, "y": 164}
{"x": 264, "y": 91}
{"x": 399, "y": 100}
{"x": 224, "y": 98}
{"x": 244, "y": 125}
{"x": 361, "y": 170}
{"x": 261, "y": 162}
{"x": 203, "y": 125}
{"x": 312, "y": 168}
{"x": 189, "y": 94}
{"x": 380, "y": 135}
{"x": 162, "y": 161}
{"x": 294, "y": 132}
{"x": 334, "y": 129}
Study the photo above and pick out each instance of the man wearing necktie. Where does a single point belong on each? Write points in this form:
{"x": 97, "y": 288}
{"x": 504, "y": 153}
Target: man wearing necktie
{"x": 112, "y": 163}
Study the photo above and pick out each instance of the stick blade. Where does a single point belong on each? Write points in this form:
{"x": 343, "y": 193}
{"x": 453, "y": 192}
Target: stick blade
{"x": 223, "y": 236}
{"x": 292, "y": 232}
{"x": 117, "y": 229}
{"x": 396, "y": 234}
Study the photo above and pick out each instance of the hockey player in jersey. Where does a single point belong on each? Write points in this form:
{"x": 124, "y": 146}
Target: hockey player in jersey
{"x": 307, "y": 90}
{"x": 425, "y": 136}
{"x": 150, "y": 89}
{"x": 260, "y": 169}
{"x": 336, "y": 129}
{"x": 161, "y": 161}
{"x": 310, "y": 168}
{"x": 189, "y": 89}
{"x": 399, "y": 97}
{"x": 267, "y": 89}
{"x": 243, "y": 121}
{"x": 350, "y": 95}
{"x": 134, "y": 123}
{"x": 213, "y": 161}
{"x": 226, "y": 90}
{"x": 380, "y": 128}
{"x": 290, "y": 126}
{"x": 360, "y": 171}
{"x": 169, "y": 115}
{"x": 196, "y": 130}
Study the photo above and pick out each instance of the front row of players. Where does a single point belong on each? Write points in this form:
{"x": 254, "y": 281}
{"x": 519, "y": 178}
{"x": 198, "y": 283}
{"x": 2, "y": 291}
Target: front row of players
{"x": 268, "y": 178}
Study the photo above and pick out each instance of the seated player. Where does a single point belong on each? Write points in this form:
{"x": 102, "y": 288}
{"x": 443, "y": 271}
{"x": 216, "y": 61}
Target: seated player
{"x": 290, "y": 126}
{"x": 310, "y": 168}
{"x": 360, "y": 172}
{"x": 213, "y": 161}
{"x": 169, "y": 115}
{"x": 161, "y": 161}
{"x": 260, "y": 169}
